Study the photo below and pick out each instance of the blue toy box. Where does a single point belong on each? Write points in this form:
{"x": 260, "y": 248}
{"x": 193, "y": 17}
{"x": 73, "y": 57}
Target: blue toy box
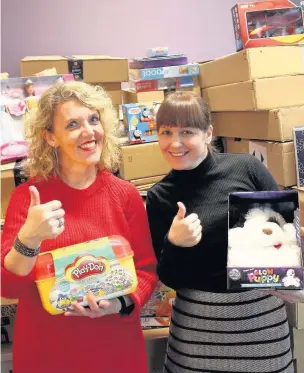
{"x": 191, "y": 69}
{"x": 139, "y": 119}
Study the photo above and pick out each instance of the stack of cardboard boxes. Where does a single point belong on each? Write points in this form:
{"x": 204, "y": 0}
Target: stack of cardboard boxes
{"x": 257, "y": 97}
{"x": 107, "y": 71}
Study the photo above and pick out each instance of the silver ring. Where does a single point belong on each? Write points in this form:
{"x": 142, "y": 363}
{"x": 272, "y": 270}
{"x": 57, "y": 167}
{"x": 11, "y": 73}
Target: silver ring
{"x": 60, "y": 222}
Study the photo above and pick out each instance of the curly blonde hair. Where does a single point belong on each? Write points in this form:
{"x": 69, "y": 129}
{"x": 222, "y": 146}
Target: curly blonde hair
{"x": 42, "y": 162}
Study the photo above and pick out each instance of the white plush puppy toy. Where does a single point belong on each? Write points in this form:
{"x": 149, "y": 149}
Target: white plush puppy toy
{"x": 266, "y": 240}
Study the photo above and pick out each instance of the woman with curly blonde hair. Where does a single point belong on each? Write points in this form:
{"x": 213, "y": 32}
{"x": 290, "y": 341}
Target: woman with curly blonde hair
{"x": 43, "y": 159}
{"x": 72, "y": 197}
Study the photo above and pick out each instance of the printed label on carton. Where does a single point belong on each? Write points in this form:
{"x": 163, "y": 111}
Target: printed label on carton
{"x": 76, "y": 68}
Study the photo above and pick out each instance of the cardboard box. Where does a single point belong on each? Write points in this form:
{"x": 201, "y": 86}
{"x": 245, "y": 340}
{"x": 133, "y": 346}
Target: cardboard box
{"x": 114, "y": 91}
{"x": 11, "y": 177}
{"x": 47, "y": 72}
{"x": 267, "y": 23}
{"x": 156, "y": 73}
{"x": 89, "y": 68}
{"x": 147, "y": 180}
{"x": 143, "y": 185}
{"x": 143, "y": 160}
{"x": 129, "y": 96}
{"x": 251, "y": 64}
{"x": 279, "y": 158}
{"x": 259, "y": 94}
{"x": 154, "y": 322}
{"x": 274, "y": 125}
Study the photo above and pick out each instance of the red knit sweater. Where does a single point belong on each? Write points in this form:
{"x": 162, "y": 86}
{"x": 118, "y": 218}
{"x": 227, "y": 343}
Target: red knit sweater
{"x": 44, "y": 343}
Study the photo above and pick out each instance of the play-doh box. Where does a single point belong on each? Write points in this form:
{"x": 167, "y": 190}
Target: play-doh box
{"x": 103, "y": 266}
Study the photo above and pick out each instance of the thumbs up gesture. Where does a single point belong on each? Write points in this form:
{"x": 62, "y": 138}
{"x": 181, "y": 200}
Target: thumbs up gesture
{"x": 185, "y": 231}
{"x": 44, "y": 221}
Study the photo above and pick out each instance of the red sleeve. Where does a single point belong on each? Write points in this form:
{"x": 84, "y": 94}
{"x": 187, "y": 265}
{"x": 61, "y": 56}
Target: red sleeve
{"x": 13, "y": 286}
{"x": 141, "y": 243}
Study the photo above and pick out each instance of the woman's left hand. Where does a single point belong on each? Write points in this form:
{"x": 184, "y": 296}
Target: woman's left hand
{"x": 290, "y": 296}
{"x": 96, "y": 309}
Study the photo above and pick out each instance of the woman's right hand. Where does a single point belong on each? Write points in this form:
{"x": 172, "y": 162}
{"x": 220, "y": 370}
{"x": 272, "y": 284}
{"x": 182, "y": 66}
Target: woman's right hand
{"x": 185, "y": 231}
{"x": 44, "y": 221}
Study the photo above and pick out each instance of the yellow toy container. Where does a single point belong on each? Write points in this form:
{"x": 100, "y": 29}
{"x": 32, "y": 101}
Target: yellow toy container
{"x": 103, "y": 266}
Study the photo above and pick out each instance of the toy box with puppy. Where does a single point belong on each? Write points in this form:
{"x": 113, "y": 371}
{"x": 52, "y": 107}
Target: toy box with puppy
{"x": 265, "y": 249}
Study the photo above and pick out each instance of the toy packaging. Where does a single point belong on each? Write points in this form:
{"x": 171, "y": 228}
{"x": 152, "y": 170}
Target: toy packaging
{"x": 139, "y": 119}
{"x": 158, "y": 52}
{"x": 267, "y": 23}
{"x": 161, "y": 84}
{"x": 18, "y": 96}
{"x": 298, "y": 135}
{"x": 265, "y": 249}
{"x": 164, "y": 72}
{"x": 103, "y": 266}
{"x": 157, "y": 311}
{"x": 147, "y": 63}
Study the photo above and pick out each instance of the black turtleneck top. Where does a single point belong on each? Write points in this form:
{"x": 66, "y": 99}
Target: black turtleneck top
{"x": 204, "y": 191}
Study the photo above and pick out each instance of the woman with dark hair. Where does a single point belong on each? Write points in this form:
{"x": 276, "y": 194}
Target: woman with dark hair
{"x": 212, "y": 329}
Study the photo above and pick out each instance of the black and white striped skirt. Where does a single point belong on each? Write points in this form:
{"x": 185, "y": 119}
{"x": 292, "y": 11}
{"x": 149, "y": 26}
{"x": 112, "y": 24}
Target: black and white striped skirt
{"x": 243, "y": 332}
